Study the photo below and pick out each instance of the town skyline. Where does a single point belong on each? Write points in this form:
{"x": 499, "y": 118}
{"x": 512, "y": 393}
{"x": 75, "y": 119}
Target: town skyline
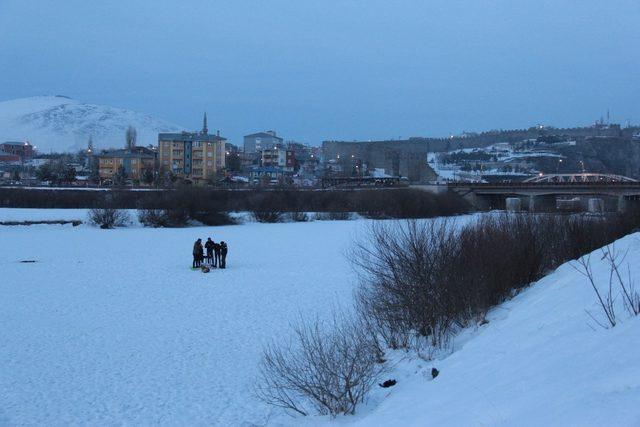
{"x": 116, "y": 140}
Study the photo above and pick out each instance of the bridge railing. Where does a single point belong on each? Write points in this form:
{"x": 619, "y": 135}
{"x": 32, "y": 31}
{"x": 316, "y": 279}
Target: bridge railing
{"x": 543, "y": 184}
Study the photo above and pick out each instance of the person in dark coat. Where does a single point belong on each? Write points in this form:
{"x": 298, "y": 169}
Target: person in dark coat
{"x": 197, "y": 253}
{"x": 216, "y": 259}
{"x": 223, "y": 254}
{"x": 209, "y": 247}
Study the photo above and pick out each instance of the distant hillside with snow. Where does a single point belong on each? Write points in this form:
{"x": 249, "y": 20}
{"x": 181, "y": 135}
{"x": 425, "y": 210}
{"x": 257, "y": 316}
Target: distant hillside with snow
{"x": 58, "y": 123}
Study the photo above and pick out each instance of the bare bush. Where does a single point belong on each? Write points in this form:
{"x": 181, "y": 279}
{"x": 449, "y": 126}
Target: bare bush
{"x": 404, "y": 270}
{"x": 214, "y": 218}
{"x": 178, "y": 217}
{"x": 267, "y": 216}
{"x": 631, "y": 297}
{"x": 333, "y": 216}
{"x": 108, "y": 218}
{"x": 298, "y": 216}
{"x": 605, "y": 300}
{"x": 420, "y": 281}
{"x": 267, "y": 207}
{"x": 328, "y": 368}
{"x": 153, "y": 218}
{"x": 605, "y": 297}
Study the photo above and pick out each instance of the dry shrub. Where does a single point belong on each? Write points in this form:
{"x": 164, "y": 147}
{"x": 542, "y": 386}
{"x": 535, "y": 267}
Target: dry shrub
{"x": 298, "y": 217}
{"x": 108, "y": 218}
{"x": 333, "y": 216}
{"x": 328, "y": 368}
{"x": 267, "y": 207}
{"x": 153, "y": 218}
{"x": 423, "y": 280}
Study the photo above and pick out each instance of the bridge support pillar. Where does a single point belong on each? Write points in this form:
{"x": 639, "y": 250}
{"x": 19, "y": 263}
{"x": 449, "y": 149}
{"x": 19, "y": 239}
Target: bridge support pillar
{"x": 513, "y": 204}
{"x": 478, "y": 202}
{"x": 596, "y": 206}
{"x": 542, "y": 203}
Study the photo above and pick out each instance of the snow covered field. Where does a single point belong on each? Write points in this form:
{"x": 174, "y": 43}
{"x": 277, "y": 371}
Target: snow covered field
{"x": 112, "y": 327}
{"x": 20, "y": 214}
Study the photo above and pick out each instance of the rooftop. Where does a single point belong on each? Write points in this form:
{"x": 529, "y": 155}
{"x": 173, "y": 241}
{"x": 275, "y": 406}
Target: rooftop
{"x": 136, "y": 152}
{"x": 264, "y": 135}
{"x": 190, "y": 136}
{"x": 15, "y": 143}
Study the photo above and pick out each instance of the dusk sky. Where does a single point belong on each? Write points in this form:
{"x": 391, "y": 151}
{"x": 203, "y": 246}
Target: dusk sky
{"x": 332, "y": 69}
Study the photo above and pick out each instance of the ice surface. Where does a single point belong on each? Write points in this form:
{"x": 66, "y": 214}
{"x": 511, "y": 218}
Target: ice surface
{"x": 112, "y": 326}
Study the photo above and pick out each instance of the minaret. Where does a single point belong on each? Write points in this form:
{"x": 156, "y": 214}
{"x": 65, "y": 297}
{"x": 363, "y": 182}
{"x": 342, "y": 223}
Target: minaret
{"x": 205, "y": 129}
{"x": 89, "y": 159}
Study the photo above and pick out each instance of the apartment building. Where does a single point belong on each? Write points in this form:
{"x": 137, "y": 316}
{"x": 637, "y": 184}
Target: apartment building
{"x": 196, "y": 156}
{"x": 278, "y": 157}
{"x": 257, "y": 142}
{"x": 23, "y": 150}
{"x": 134, "y": 162}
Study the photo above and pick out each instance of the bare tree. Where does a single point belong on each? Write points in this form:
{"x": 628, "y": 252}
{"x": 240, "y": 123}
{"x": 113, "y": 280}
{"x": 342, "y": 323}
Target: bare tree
{"x": 131, "y": 137}
{"x": 328, "y": 368}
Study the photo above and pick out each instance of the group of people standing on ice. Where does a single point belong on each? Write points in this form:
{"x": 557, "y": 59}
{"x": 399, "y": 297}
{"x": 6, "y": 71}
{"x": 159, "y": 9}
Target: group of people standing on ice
{"x": 216, "y": 254}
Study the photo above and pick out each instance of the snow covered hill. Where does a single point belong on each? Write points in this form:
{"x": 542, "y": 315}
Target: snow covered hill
{"x": 540, "y": 361}
{"x": 58, "y": 123}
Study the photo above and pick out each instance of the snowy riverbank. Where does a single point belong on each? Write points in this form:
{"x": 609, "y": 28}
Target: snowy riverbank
{"x": 112, "y": 327}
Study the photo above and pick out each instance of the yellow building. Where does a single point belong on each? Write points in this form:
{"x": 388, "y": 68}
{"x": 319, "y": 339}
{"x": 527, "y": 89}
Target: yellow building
{"x": 197, "y": 156}
{"x": 134, "y": 162}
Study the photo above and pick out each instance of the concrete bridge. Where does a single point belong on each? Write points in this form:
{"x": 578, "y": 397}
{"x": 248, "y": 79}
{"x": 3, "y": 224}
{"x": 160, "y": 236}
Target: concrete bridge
{"x": 550, "y": 192}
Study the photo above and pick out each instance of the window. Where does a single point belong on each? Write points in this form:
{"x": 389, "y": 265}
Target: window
{"x": 209, "y": 153}
{"x": 209, "y": 163}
